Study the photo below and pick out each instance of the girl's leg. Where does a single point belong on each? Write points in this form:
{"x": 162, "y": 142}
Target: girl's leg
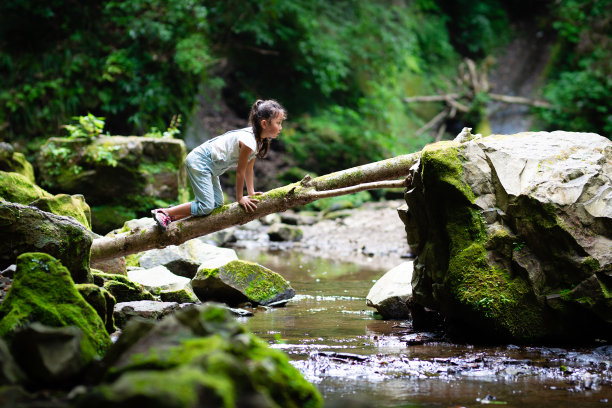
{"x": 180, "y": 211}
{"x": 218, "y": 193}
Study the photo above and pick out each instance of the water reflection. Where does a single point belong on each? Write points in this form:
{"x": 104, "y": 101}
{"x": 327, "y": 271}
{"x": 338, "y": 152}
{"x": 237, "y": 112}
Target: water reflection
{"x": 337, "y": 343}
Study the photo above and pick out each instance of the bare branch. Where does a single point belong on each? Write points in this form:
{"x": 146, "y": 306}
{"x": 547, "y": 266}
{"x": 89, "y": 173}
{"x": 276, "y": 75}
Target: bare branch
{"x": 519, "y": 100}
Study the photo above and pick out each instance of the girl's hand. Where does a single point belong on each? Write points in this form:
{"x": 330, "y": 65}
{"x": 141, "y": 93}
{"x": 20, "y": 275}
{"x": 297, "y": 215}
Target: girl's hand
{"x": 248, "y": 203}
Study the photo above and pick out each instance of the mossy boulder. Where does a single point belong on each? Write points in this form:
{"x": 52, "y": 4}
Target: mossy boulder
{"x": 43, "y": 291}
{"x": 121, "y": 287}
{"x": 241, "y": 281}
{"x": 119, "y": 175}
{"x": 513, "y": 236}
{"x": 15, "y": 162}
{"x": 102, "y": 302}
{"x": 17, "y": 188}
{"x": 28, "y": 229}
{"x": 200, "y": 356}
{"x": 184, "y": 295}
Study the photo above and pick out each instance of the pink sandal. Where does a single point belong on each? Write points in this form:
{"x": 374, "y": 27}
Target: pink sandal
{"x": 161, "y": 217}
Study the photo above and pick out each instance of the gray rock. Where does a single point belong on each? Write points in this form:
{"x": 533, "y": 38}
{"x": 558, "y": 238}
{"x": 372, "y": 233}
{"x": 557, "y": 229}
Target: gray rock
{"x": 147, "y": 309}
{"x": 391, "y": 293}
{"x": 283, "y": 232}
{"x": 157, "y": 279}
{"x": 513, "y": 235}
{"x": 28, "y": 229}
{"x": 185, "y": 259}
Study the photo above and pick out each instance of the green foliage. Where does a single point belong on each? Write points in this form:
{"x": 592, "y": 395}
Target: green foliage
{"x": 170, "y": 132}
{"x": 88, "y": 127}
{"x": 136, "y": 63}
{"x": 580, "y": 83}
{"x": 476, "y": 27}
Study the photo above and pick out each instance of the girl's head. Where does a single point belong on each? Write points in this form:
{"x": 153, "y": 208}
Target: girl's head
{"x": 266, "y": 118}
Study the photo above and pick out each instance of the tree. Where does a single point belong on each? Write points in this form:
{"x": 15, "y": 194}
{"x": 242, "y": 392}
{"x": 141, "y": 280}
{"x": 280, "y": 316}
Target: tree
{"x": 382, "y": 174}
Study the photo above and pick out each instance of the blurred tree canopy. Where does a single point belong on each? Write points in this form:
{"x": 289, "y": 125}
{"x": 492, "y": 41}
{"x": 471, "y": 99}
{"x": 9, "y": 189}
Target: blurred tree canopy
{"x": 341, "y": 68}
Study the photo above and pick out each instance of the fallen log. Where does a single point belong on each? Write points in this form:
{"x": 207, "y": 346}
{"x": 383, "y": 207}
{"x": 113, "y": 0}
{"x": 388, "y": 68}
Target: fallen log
{"x": 381, "y": 174}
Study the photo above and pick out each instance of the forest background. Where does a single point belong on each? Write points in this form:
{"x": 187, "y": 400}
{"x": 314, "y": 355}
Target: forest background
{"x": 341, "y": 68}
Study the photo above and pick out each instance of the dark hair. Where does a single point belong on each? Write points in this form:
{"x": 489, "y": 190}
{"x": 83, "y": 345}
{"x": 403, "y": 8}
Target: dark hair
{"x": 261, "y": 110}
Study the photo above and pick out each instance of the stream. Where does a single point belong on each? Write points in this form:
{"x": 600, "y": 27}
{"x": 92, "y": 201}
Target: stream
{"x": 357, "y": 360}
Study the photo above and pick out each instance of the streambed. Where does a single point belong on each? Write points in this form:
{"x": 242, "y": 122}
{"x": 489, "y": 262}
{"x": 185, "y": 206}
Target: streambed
{"x": 334, "y": 339}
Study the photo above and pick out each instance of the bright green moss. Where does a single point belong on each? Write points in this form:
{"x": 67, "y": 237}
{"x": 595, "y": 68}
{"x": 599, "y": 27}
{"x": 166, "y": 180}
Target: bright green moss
{"x": 122, "y": 289}
{"x": 260, "y": 283}
{"x": 43, "y": 291}
{"x": 17, "y": 188}
{"x": 442, "y": 163}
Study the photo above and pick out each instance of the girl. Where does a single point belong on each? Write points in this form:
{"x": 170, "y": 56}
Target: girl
{"x": 212, "y": 158}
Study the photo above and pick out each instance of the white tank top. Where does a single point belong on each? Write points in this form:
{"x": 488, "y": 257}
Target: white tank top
{"x": 226, "y": 148}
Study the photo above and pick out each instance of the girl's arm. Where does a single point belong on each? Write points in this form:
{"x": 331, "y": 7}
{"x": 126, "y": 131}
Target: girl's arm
{"x": 241, "y": 176}
{"x": 249, "y": 178}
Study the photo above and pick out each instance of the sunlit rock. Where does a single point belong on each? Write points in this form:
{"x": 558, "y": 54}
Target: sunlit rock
{"x": 147, "y": 309}
{"x": 391, "y": 293}
{"x": 513, "y": 235}
{"x": 241, "y": 281}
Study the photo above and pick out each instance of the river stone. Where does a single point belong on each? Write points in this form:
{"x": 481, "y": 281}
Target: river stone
{"x": 43, "y": 291}
{"x": 122, "y": 177}
{"x": 157, "y": 279}
{"x": 240, "y": 281}
{"x": 198, "y": 357}
{"x": 121, "y": 287}
{"x": 391, "y": 293}
{"x": 184, "y": 295}
{"x": 513, "y": 235}
{"x": 185, "y": 259}
{"x": 283, "y": 232}
{"x": 147, "y": 309}
{"x": 102, "y": 302}
{"x": 28, "y": 229}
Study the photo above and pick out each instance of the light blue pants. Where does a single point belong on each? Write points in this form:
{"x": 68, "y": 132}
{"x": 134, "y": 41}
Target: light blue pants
{"x": 204, "y": 177}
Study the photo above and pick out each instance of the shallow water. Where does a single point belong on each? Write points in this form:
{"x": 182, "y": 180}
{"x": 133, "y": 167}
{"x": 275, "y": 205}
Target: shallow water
{"x": 334, "y": 339}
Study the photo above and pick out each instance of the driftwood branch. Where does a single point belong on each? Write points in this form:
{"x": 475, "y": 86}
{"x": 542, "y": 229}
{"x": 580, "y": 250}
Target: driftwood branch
{"x": 382, "y": 174}
{"x": 519, "y": 100}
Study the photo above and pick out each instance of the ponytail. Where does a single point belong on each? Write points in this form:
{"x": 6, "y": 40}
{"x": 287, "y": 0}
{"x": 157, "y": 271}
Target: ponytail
{"x": 264, "y": 110}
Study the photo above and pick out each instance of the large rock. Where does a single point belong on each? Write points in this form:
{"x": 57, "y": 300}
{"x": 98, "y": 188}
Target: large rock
{"x": 43, "y": 292}
{"x": 185, "y": 259}
{"x": 17, "y": 188}
{"x": 121, "y": 177}
{"x": 392, "y": 292}
{"x": 513, "y": 235}
{"x": 241, "y": 281}
{"x": 28, "y": 229}
{"x": 157, "y": 279}
{"x": 198, "y": 357}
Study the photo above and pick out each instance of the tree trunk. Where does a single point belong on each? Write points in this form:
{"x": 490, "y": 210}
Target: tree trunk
{"x": 382, "y": 174}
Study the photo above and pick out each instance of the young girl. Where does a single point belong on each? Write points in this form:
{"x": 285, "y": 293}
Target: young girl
{"x": 212, "y": 158}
